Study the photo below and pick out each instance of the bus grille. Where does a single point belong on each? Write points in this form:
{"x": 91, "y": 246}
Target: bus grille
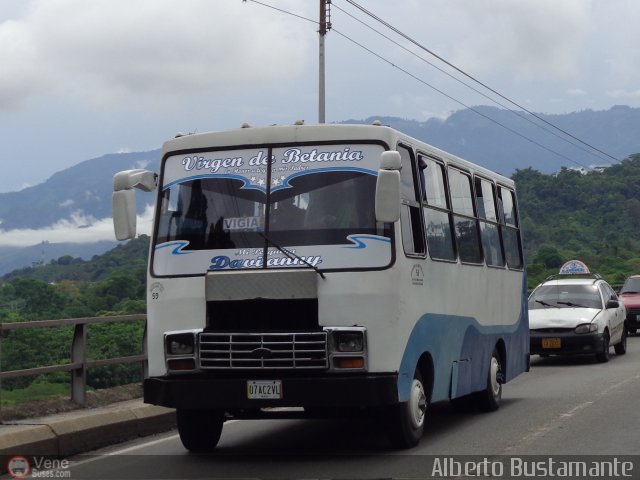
{"x": 263, "y": 350}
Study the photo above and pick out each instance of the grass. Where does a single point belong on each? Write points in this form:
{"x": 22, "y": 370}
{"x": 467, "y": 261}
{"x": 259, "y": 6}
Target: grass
{"x": 35, "y": 391}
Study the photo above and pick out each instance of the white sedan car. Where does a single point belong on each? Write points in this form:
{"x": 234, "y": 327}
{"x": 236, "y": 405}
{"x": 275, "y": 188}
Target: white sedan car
{"x": 576, "y": 314}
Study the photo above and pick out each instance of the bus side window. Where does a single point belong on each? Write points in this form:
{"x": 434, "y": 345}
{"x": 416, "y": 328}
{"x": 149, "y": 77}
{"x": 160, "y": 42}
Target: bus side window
{"x": 488, "y": 215}
{"x": 437, "y": 214}
{"x": 465, "y": 223}
{"x": 509, "y": 229}
{"x": 411, "y": 218}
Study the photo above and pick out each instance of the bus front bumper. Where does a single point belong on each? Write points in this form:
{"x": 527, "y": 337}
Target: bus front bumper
{"x": 366, "y": 390}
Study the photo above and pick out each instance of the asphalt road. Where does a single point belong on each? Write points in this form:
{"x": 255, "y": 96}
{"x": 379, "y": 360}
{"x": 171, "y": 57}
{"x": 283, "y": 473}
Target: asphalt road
{"x": 563, "y": 406}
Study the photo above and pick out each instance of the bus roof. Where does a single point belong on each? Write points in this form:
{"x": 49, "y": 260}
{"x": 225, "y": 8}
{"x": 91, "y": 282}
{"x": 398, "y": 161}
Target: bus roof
{"x": 291, "y": 134}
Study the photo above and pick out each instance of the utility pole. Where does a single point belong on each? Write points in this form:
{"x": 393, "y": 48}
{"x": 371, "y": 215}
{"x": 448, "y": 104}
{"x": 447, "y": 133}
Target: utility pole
{"x": 325, "y": 26}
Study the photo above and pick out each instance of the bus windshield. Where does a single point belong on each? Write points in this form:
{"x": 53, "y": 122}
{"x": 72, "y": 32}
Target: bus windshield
{"x": 322, "y": 209}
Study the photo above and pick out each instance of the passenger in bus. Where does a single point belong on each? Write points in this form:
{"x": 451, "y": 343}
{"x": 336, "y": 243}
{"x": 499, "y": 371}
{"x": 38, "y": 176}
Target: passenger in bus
{"x": 193, "y": 205}
{"x": 218, "y": 237}
{"x": 331, "y": 207}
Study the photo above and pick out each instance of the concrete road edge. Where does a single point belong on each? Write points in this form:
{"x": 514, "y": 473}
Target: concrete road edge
{"x": 83, "y": 430}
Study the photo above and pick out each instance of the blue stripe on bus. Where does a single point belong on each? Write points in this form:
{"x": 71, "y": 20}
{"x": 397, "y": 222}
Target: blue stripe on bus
{"x": 436, "y": 333}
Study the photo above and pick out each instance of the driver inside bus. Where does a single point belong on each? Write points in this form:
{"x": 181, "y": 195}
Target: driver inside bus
{"x": 331, "y": 207}
{"x": 287, "y": 216}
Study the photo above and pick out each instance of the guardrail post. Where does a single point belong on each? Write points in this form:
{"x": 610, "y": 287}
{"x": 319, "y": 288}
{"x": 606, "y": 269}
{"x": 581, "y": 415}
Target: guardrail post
{"x": 79, "y": 373}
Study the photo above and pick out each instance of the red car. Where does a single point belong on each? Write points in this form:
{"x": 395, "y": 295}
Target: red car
{"x": 630, "y": 296}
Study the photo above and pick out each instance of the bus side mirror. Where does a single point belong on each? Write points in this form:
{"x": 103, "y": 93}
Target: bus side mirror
{"x": 124, "y": 199}
{"x": 388, "y": 187}
{"x": 124, "y": 214}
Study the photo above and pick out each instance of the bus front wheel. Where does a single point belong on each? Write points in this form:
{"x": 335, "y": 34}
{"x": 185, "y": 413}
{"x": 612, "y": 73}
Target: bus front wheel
{"x": 199, "y": 429}
{"x": 406, "y": 420}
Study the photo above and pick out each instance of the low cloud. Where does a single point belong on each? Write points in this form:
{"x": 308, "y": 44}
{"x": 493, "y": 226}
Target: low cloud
{"x": 78, "y": 228}
{"x": 522, "y": 39}
{"x": 622, "y": 93}
{"x": 106, "y": 50}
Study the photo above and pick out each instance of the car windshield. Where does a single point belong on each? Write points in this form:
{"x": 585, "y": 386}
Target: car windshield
{"x": 631, "y": 285}
{"x": 565, "y": 296}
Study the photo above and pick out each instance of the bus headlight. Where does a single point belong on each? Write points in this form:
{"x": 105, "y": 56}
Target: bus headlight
{"x": 349, "y": 341}
{"x": 347, "y": 348}
{"x": 180, "y": 344}
{"x": 180, "y": 351}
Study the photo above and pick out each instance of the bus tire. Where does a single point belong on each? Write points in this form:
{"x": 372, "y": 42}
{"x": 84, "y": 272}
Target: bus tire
{"x": 488, "y": 400}
{"x": 406, "y": 420}
{"x": 199, "y": 429}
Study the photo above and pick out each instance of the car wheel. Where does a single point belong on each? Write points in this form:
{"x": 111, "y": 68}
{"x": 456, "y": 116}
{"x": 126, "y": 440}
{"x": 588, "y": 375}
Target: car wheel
{"x": 631, "y": 331}
{"x": 621, "y": 347}
{"x": 199, "y": 429}
{"x": 488, "y": 400}
{"x": 603, "y": 356}
{"x": 407, "y": 419}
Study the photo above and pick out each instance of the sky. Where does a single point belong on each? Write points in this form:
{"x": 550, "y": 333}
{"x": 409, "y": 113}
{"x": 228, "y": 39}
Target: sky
{"x": 80, "y": 78}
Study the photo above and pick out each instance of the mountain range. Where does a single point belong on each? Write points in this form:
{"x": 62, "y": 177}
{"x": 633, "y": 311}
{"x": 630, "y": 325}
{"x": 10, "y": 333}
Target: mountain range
{"x": 501, "y": 140}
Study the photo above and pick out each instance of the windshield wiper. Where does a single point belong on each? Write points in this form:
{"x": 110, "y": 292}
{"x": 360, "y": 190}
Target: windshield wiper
{"x": 571, "y": 304}
{"x": 291, "y": 255}
{"x": 546, "y": 304}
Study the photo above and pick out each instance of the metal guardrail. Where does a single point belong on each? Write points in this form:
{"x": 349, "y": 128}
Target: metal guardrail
{"x": 79, "y": 363}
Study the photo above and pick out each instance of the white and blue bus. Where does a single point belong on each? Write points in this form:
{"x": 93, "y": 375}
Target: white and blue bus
{"x": 332, "y": 268}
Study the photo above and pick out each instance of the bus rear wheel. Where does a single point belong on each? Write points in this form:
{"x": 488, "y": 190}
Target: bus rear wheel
{"x": 199, "y": 429}
{"x": 488, "y": 400}
{"x": 407, "y": 419}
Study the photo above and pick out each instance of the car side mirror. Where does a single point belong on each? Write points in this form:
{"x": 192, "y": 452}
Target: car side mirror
{"x": 612, "y": 304}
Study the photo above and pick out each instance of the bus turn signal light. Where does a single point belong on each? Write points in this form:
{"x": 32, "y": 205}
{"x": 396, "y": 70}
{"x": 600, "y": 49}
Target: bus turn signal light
{"x": 349, "y": 362}
{"x": 181, "y": 364}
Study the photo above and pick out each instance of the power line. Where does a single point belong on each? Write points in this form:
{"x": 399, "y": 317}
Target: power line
{"x": 438, "y": 90}
{"x": 282, "y": 11}
{"x": 422, "y": 47}
{"x": 456, "y": 100}
{"x": 471, "y": 87}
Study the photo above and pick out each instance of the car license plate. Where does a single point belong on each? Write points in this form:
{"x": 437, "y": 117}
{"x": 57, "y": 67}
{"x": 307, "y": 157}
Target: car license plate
{"x": 264, "y": 389}
{"x": 551, "y": 343}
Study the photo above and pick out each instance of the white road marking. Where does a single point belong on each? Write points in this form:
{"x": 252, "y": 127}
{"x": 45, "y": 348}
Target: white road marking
{"x": 135, "y": 447}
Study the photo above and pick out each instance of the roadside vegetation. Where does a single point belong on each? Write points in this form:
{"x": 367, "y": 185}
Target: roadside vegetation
{"x": 593, "y": 217}
{"x": 106, "y": 285}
